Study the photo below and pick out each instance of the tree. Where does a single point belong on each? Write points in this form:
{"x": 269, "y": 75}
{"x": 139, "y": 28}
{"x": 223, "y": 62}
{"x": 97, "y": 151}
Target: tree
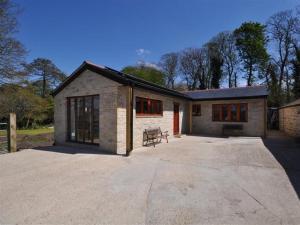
{"x": 296, "y": 72}
{"x": 215, "y": 63}
{"x": 12, "y": 51}
{"x": 226, "y": 42}
{"x": 169, "y": 64}
{"x": 251, "y": 44}
{"x": 29, "y": 108}
{"x": 146, "y": 72}
{"x": 45, "y": 72}
{"x": 282, "y": 27}
{"x": 192, "y": 68}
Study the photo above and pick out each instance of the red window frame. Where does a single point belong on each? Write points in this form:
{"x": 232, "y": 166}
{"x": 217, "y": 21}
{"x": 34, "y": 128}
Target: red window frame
{"x": 196, "y": 110}
{"x": 153, "y": 107}
{"x": 218, "y": 112}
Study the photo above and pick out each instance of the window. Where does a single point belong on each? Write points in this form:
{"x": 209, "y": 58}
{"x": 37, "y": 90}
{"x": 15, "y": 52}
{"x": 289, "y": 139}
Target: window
{"x": 83, "y": 119}
{"x": 144, "y": 106}
{"x": 196, "y": 110}
{"x": 230, "y": 112}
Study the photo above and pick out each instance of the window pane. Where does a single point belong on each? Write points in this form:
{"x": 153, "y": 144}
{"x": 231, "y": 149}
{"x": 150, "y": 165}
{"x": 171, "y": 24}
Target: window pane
{"x": 145, "y": 106}
{"x": 243, "y": 113}
{"x": 159, "y": 107}
{"x": 138, "y": 105}
{"x": 196, "y": 110}
{"x": 234, "y": 112}
{"x": 225, "y": 116}
{"x": 216, "y": 112}
{"x": 153, "y": 109}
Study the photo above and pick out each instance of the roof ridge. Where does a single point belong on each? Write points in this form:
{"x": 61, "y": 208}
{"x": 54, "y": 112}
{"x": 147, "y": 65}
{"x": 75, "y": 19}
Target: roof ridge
{"x": 227, "y": 88}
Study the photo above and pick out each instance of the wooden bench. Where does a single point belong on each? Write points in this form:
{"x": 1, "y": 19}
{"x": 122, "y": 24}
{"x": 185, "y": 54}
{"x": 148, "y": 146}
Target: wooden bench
{"x": 154, "y": 135}
{"x": 232, "y": 129}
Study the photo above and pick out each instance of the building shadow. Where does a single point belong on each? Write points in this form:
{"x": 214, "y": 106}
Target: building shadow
{"x": 286, "y": 151}
{"x": 85, "y": 149}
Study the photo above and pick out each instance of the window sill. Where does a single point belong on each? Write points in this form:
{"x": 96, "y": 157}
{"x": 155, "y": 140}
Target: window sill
{"x": 230, "y": 121}
{"x": 149, "y": 116}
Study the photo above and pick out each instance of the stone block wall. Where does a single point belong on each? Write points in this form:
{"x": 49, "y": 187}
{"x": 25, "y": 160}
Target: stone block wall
{"x": 90, "y": 83}
{"x": 254, "y": 127}
{"x": 165, "y": 122}
{"x": 289, "y": 120}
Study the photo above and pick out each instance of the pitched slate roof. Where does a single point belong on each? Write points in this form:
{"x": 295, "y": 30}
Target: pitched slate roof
{"x": 229, "y": 93}
{"x": 119, "y": 77}
{"x": 294, "y": 103}
{"x": 127, "y": 79}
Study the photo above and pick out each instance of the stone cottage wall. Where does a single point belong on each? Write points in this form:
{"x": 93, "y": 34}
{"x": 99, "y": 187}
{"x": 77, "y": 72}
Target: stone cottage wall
{"x": 289, "y": 120}
{"x": 90, "y": 83}
{"x": 254, "y": 127}
{"x": 165, "y": 122}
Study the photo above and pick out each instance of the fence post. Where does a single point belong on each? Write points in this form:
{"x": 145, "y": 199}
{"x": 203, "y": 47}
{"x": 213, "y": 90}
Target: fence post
{"x": 12, "y": 133}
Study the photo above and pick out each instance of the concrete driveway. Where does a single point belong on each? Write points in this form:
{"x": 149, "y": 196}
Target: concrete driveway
{"x": 191, "y": 180}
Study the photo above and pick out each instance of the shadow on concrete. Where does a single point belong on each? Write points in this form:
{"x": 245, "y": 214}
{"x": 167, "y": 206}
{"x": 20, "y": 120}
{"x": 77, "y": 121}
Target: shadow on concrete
{"x": 286, "y": 150}
{"x": 85, "y": 149}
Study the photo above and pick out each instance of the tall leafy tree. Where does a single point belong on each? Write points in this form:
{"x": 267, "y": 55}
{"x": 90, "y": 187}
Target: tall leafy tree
{"x": 29, "y": 107}
{"x": 226, "y": 42}
{"x": 251, "y": 44}
{"x": 215, "y": 63}
{"x": 12, "y": 51}
{"x": 145, "y": 72}
{"x": 296, "y": 72}
{"x": 46, "y": 73}
{"x": 282, "y": 28}
{"x": 169, "y": 66}
{"x": 192, "y": 68}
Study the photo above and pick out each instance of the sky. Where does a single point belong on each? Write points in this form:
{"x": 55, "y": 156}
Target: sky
{"x": 117, "y": 33}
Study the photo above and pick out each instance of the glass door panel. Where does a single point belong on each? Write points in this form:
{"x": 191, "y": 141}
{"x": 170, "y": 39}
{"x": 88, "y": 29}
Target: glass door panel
{"x": 88, "y": 119}
{"x": 96, "y": 114}
{"x": 83, "y": 119}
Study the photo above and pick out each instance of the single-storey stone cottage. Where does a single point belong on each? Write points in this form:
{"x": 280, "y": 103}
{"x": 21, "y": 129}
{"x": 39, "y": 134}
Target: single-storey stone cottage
{"x": 101, "y": 106}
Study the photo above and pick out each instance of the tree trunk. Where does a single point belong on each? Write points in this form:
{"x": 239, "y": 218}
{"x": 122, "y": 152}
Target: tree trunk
{"x": 27, "y": 123}
{"x": 249, "y": 81}
{"x": 44, "y": 86}
{"x": 287, "y": 87}
{"x": 235, "y": 79}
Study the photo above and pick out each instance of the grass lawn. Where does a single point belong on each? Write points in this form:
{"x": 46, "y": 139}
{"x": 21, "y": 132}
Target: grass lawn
{"x": 32, "y": 131}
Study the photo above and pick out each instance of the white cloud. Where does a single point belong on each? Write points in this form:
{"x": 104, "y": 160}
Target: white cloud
{"x": 142, "y": 52}
{"x": 148, "y": 64}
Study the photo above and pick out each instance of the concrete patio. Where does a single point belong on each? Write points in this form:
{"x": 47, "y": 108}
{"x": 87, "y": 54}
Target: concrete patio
{"x": 191, "y": 180}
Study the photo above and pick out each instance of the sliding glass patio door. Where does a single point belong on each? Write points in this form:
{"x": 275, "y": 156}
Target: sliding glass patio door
{"x": 83, "y": 119}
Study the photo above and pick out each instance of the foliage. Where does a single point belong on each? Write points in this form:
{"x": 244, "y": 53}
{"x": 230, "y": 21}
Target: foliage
{"x": 296, "y": 72}
{"x": 36, "y": 131}
{"x": 192, "y": 68}
{"x": 226, "y": 44}
{"x": 29, "y": 108}
{"x": 251, "y": 44}
{"x": 146, "y": 72}
{"x": 216, "y": 62}
{"x": 169, "y": 66}
{"x": 46, "y": 73}
{"x": 12, "y": 51}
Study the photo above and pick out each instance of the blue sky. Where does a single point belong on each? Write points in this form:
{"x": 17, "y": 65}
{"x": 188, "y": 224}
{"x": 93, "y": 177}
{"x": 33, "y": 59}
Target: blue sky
{"x": 117, "y": 33}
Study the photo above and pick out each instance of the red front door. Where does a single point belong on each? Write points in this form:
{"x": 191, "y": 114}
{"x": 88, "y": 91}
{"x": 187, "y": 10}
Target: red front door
{"x": 176, "y": 119}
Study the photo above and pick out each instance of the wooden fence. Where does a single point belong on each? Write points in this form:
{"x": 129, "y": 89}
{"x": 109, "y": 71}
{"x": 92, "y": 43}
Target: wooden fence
{"x": 8, "y": 135}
